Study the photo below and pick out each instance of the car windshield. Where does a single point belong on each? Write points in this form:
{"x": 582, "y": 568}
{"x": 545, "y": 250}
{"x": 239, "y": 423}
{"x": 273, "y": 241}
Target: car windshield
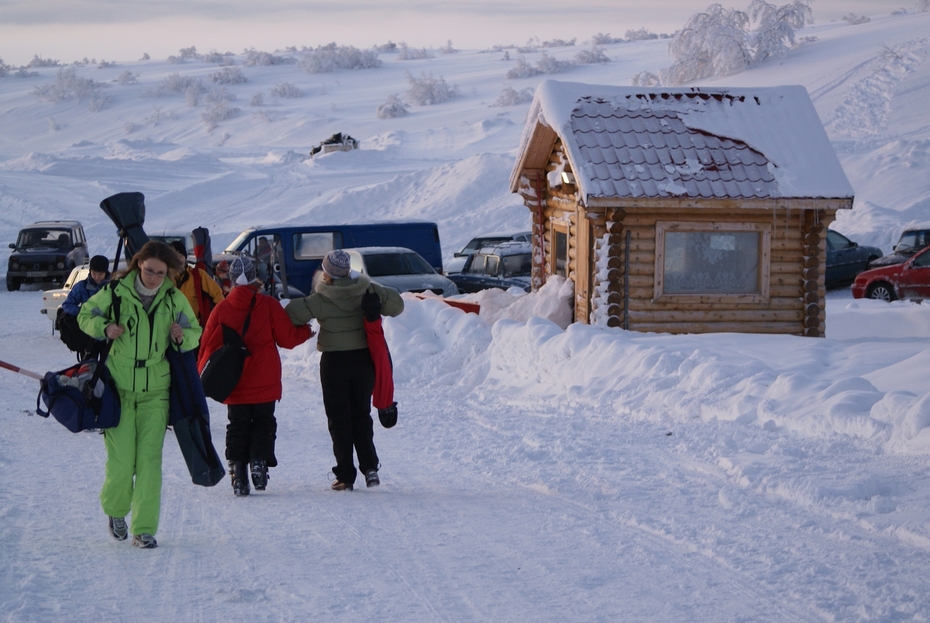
{"x": 59, "y": 238}
{"x": 913, "y": 241}
{"x": 477, "y": 243}
{"x": 907, "y": 242}
{"x": 386, "y": 264}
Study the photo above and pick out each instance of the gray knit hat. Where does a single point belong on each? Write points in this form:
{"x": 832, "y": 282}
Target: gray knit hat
{"x": 336, "y": 264}
{"x": 241, "y": 271}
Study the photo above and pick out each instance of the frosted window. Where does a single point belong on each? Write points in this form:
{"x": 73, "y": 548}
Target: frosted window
{"x": 561, "y": 253}
{"x": 711, "y": 262}
{"x": 313, "y": 245}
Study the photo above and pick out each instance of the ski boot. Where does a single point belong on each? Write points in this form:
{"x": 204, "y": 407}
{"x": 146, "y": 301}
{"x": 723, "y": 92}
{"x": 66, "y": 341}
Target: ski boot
{"x": 239, "y": 478}
{"x": 259, "y": 468}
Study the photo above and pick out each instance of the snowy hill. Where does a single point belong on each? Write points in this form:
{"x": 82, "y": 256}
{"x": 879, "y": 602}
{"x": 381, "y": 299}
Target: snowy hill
{"x": 538, "y": 473}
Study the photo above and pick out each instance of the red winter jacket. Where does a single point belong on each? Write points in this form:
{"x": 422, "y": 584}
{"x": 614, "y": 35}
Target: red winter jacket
{"x": 269, "y": 328}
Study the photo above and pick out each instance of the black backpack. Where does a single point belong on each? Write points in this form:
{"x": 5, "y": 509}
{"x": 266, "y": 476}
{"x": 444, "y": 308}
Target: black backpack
{"x": 221, "y": 373}
{"x": 71, "y": 334}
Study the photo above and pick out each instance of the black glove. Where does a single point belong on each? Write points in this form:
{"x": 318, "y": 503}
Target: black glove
{"x": 371, "y": 306}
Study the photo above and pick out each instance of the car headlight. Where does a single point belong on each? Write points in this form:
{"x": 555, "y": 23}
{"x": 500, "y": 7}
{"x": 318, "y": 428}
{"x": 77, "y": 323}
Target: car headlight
{"x": 14, "y": 265}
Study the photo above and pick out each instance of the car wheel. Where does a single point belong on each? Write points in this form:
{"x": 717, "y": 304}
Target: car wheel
{"x": 12, "y": 283}
{"x": 881, "y": 292}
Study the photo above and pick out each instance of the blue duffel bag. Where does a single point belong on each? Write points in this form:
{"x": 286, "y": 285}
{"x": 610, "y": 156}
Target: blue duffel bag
{"x": 81, "y": 397}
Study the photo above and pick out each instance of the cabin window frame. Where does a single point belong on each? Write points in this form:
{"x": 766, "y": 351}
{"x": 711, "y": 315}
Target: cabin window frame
{"x": 560, "y": 229}
{"x": 764, "y": 230}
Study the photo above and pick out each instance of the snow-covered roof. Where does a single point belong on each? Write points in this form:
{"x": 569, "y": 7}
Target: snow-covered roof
{"x": 760, "y": 142}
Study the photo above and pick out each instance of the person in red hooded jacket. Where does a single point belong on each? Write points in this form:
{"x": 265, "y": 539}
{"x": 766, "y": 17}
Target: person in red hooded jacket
{"x": 250, "y": 434}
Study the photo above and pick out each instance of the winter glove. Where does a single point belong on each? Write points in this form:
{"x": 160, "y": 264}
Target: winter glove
{"x": 371, "y": 306}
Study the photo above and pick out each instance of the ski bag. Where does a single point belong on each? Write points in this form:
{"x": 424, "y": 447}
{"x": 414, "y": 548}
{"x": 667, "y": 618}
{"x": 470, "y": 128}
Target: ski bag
{"x": 81, "y": 397}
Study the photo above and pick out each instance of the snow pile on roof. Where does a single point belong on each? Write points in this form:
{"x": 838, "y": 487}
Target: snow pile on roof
{"x": 779, "y": 123}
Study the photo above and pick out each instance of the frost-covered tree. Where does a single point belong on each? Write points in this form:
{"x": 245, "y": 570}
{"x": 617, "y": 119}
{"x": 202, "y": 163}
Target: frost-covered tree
{"x": 604, "y": 39}
{"x": 68, "y": 85}
{"x": 511, "y": 97}
{"x": 427, "y": 90}
{"x": 776, "y": 26}
{"x": 38, "y": 61}
{"x": 220, "y": 111}
{"x": 592, "y": 56}
{"x": 4, "y": 68}
{"x": 331, "y": 57}
{"x": 127, "y": 77}
{"x": 405, "y": 53}
{"x": 923, "y": 6}
{"x": 228, "y": 75}
{"x": 640, "y": 34}
{"x": 176, "y": 83}
{"x": 549, "y": 65}
{"x": 712, "y": 43}
{"x": 645, "y": 79}
{"x": 522, "y": 70}
{"x": 393, "y": 107}
{"x": 265, "y": 59}
{"x": 286, "y": 89}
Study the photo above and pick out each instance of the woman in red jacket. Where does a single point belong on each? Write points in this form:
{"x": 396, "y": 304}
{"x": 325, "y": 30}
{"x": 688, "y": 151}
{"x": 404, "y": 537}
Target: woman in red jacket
{"x": 250, "y": 435}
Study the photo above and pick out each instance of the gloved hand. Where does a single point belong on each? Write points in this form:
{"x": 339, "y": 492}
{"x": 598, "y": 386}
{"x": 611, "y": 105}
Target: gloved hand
{"x": 371, "y": 306}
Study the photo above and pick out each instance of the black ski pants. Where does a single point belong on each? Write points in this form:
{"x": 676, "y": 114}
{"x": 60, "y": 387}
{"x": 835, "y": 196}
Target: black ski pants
{"x": 251, "y": 432}
{"x": 348, "y": 378}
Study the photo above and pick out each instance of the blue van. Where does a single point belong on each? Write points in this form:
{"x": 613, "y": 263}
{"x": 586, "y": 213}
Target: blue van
{"x": 299, "y": 250}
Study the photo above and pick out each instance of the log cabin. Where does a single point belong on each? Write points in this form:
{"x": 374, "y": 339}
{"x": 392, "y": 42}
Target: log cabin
{"x": 682, "y": 210}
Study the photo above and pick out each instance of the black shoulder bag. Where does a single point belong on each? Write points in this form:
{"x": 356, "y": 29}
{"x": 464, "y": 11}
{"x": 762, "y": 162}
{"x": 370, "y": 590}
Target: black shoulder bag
{"x": 224, "y": 367}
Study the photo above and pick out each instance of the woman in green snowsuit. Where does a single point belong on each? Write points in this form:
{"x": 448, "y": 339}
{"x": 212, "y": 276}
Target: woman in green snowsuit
{"x": 152, "y": 313}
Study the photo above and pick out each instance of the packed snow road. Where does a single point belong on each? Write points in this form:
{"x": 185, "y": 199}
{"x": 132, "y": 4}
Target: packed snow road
{"x": 496, "y": 505}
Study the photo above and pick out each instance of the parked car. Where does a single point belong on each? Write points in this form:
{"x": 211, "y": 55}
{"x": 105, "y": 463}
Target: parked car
{"x": 910, "y": 280}
{"x": 299, "y": 250}
{"x": 399, "y": 268}
{"x": 46, "y": 251}
{"x": 846, "y": 259}
{"x": 504, "y": 265}
{"x": 52, "y": 299}
{"x": 482, "y": 241}
{"x": 912, "y": 240}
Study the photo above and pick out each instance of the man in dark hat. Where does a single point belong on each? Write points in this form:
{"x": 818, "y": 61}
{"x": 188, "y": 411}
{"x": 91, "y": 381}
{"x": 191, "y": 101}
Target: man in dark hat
{"x": 71, "y": 334}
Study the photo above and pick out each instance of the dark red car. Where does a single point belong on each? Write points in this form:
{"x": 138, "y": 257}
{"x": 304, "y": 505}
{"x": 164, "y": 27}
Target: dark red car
{"x": 910, "y": 280}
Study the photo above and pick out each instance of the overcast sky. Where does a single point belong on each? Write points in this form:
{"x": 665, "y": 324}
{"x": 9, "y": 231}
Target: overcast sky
{"x": 122, "y": 30}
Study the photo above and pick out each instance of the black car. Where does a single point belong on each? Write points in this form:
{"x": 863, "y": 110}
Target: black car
{"x": 504, "y": 266}
{"x": 46, "y": 251}
{"x": 912, "y": 240}
{"x": 846, "y": 259}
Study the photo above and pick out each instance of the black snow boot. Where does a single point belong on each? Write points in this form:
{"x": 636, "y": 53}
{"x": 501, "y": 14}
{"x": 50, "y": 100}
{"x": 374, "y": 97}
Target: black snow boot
{"x": 259, "y": 474}
{"x": 239, "y": 477}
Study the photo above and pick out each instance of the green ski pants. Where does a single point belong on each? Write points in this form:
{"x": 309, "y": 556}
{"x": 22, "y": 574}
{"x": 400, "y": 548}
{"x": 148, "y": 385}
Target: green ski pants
{"x": 134, "y": 450}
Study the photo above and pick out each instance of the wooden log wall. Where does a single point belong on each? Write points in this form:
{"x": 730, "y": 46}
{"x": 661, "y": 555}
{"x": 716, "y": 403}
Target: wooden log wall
{"x": 796, "y": 294}
{"x": 607, "y": 307}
